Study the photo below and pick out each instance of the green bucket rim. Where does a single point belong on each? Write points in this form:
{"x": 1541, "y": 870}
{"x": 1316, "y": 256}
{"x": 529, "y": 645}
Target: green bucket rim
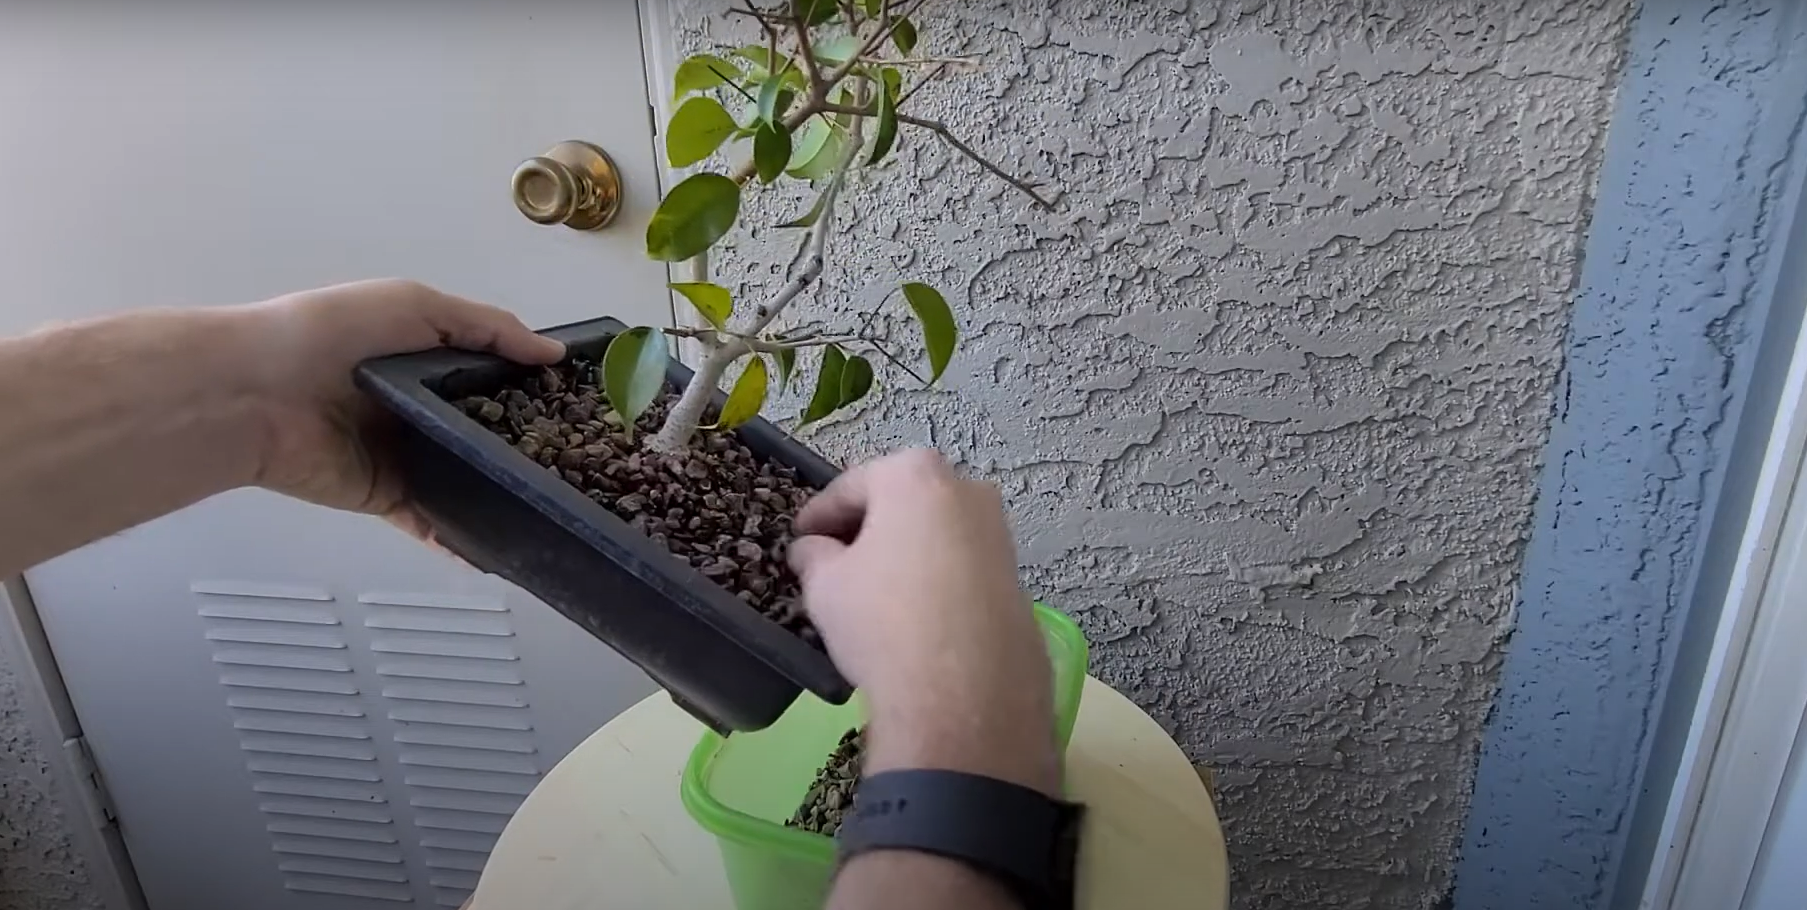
{"x": 738, "y": 826}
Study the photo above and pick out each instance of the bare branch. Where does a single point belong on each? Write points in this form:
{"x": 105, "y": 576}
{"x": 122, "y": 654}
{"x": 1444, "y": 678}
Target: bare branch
{"x": 829, "y": 107}
{"x": 961, "y": 64}
{"x": 887, "y": 24}
{"x": 812, "y": 268}
{"x": 806, "y": 55}
{"x": 933, "y": 75}
{"x": 1030, "y": 189}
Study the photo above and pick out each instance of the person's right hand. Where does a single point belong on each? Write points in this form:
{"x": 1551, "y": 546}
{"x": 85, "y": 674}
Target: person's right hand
{"x": 909, "y": 572}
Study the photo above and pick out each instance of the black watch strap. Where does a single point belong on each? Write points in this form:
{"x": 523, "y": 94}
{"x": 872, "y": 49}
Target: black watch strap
{"x": 1017, "y": 835}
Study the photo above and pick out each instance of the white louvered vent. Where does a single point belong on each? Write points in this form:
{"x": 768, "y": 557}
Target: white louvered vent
{"x": 295, "y": 702}
{"x": 462, "y": 727}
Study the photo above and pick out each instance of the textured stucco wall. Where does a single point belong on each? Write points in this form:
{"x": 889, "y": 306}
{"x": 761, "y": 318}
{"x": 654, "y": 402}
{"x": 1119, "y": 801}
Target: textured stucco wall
{"x": 1696, "y": 196}
{"x": 1268, "y": 396}
{"x": 39, "y": 869}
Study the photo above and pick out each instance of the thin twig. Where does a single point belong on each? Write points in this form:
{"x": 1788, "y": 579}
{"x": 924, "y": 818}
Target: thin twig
{"x": 887, "y": 24}
{"x": 966, "y": 64}
{"x": 752, "y": 12}
{"x": 896, "y": 362}
{"x": 729, "y": 82}
{"x": 935, "y": 74}
{"x": 941, "y": 128}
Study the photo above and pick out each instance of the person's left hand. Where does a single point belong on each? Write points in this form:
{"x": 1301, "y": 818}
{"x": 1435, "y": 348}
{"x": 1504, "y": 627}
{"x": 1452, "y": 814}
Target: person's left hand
{"x": 324, "y": 441}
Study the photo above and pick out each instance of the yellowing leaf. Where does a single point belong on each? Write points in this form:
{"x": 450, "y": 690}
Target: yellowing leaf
{"x": 747, "y": 396}
{"x": 712, "y": 301}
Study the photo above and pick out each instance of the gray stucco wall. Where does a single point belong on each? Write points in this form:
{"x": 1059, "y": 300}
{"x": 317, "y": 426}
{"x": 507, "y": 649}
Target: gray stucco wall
{"x": 1645, "y": 492}
{"x": 39, "y": 869}
{"x": 1268, "y": 396}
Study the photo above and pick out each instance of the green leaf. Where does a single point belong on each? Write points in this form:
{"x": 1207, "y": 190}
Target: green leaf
{"x": 903, "y": 34}
{"x": 809, "y": 218}
{"x": 695, "y": 214}
{"x": 633, "y": 372}
{"x": 711, "y": 300}
{"x": 823, "y": 162}
{"x": 787, "y": 364}
{"x": 856, "y": 379}
{"x": 772, "y": 100}
{"x": 887, "y": 117}
{"x": 747, "y": 396}
{"x": 771, "y": 151}
{"x": 700, "y": 73}
{"x": 765, "y": 63}
{"x": 839, "y": 49}
{"x": 874, "y": 7}
{"x": 699, "y": 127}
{"x": 939, "y": 334}
{"x": 813, "y": 12}
{"x": 827, "y": 395}
{"x": 807, "y": 141}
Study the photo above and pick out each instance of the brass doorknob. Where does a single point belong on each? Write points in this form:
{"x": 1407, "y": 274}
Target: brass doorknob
{"x": 573, "y": 183}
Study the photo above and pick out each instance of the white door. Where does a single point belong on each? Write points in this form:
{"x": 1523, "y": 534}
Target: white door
{"x": 294, "y": 708}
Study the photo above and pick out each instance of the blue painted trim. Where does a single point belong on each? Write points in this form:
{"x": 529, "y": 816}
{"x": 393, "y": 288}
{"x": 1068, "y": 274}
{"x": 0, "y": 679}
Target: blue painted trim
{"x": 1674, "y": 300}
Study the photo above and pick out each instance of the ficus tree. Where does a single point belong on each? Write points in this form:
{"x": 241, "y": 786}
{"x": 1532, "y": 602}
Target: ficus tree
{"x": 825, "y": 94}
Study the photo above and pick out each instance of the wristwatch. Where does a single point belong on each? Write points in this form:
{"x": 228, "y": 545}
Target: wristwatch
{"x": 1018, "y": 836}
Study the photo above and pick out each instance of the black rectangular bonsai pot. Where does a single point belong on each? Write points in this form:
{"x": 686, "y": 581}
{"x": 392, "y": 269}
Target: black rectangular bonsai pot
{"x": 505, "y": 514}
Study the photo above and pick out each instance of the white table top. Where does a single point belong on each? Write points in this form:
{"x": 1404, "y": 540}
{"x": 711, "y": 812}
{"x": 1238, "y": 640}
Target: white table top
{"x": 605, "y": 828}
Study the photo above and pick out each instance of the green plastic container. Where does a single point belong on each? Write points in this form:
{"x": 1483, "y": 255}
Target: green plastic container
{"x": 743, "y": 788}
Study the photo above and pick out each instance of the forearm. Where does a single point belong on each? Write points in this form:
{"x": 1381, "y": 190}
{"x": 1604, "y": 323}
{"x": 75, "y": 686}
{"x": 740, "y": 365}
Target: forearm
{"x": 111, "y": 422}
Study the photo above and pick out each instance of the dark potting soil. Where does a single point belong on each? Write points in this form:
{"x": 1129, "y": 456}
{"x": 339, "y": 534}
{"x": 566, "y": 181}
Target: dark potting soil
{"x": 831, "y": 794}
{"x": 717, "y": 506}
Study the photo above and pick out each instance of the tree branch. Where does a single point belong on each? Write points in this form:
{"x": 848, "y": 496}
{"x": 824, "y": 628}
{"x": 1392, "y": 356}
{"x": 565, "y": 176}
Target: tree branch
{"x": 964, "y": 64}
{"x": 940, "y": 128}
{"x": 806, "y": 54}
{"x": 723, "y": 348}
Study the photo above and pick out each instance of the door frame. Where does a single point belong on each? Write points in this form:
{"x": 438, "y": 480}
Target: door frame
{"x": 44, "y": 698}
{"x": 50, "y": 717}
{"x": 1721, "y": 805}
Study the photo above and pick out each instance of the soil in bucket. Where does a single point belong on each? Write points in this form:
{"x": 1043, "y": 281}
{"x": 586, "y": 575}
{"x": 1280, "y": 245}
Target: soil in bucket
{"x": 717, "y": 506}
{"x": 831, "y": 794}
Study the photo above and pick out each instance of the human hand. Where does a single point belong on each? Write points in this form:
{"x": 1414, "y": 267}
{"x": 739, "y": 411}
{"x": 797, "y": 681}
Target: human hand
{"x": 909, "y": 571}
{"x": 323, "y": 440}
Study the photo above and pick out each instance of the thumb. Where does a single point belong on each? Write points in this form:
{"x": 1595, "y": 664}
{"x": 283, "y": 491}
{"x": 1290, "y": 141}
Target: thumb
{"x": 812, "y": 553}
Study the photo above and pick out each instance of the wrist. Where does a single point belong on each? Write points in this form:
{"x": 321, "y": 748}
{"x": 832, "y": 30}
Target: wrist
{"x": 229, "y": 370}
{"x": 1014, "y": 744}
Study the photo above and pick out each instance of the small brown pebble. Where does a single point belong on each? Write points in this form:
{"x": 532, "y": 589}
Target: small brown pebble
{"x": 717, "y": 504}
{"x": 834, "y": 787}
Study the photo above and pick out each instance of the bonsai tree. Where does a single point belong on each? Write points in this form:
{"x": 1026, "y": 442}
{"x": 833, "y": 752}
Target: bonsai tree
{"x": 826, "y": 94}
